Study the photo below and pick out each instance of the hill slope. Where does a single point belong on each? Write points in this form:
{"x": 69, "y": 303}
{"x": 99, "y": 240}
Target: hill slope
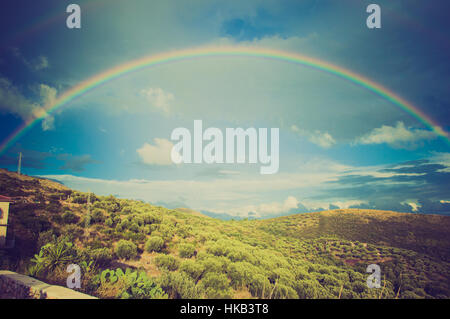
{"x": 182, "y": 254}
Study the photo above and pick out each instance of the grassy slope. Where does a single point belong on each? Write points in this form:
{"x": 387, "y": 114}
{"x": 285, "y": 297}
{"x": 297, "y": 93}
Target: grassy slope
{"x": 428, "y": 234}
{"x": 320, "y": 254}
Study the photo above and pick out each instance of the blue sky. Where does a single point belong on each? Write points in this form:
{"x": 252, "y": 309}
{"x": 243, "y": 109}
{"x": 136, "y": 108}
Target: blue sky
{"x": 340, "y": 145}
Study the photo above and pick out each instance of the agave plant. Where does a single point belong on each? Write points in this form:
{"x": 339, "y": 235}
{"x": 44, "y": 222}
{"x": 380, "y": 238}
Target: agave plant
{"x": 51, "y": 256}
{"x": 38, "y": 265}
{"x": 58, "y": 254}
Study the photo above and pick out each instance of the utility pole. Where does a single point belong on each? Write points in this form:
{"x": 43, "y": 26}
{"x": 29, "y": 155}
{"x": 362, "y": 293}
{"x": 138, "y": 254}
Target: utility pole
{"x": 19, "y": 166}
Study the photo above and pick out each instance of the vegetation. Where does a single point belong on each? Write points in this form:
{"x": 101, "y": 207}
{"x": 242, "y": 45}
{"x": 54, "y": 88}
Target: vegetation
{"x": 154, "y": 243}
{"x": 186, "y": 250}
{"x": 127, "y": 285}
{"x": 131, "y": 249}
{"x": 126, "y": 249}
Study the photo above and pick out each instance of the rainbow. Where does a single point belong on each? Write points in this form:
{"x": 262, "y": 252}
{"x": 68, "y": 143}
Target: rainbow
{"x": 224, "y": 51}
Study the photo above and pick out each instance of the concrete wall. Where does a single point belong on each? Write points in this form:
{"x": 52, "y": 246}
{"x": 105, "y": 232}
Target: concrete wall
{"x": 4, "y": 207}
{"x": 17, "y": 286}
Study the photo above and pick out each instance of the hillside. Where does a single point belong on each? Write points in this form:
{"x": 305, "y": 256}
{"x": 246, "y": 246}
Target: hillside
{"x": 131, "y": 249}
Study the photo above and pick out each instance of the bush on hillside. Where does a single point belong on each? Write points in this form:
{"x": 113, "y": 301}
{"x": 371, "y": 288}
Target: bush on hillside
{"x": 154, "y": 243}
{"x": 186, "y": 250}
{"x": 167, "y": 262}
{"x": 126, "y": 249}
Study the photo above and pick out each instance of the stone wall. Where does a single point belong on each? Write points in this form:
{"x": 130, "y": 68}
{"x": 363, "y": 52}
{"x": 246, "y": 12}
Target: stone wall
{"x": 17, "y": 286}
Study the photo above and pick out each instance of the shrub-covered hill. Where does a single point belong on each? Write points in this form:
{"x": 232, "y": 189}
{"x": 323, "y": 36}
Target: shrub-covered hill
{"x": 131, "y": 249}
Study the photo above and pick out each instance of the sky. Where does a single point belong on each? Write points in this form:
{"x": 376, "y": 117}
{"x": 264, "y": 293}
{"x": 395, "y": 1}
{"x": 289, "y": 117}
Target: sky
{"x": 340, "y": 145}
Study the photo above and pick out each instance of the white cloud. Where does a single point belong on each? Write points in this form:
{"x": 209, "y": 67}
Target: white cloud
{"x": 397, "y": 136}
{"x": 442, "y": 159}
{"x": 348, "y": 203}
{"x": 48, "y": 94}
{"x": 35, "y": 64}
{"x": 48, "y": 123}
{"x": 413, "y": 204}
{"x": 323, "y": 139}
{"x": 262, "y": 210}
{"x": 319, "y": 205}
{"x": 40, "y": 63}
{"x": 159, "y": 98}
{"x": 14, "y": 102}
{"x": 321, "y": 165}
{"x": 48, "y": 97}
{"x": 158, "y": 154}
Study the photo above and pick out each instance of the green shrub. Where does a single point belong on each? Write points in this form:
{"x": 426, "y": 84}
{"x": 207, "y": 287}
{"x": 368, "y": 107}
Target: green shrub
{"x": 45, "y": 237}
{"x": 126, "y": 249}
{"x": 212, "y": 264}
{"x": 179, "y": 285}
{"x": 136, "y": 237}
{"x": 69, "y": 218}
{"x": 259, "y": 286}
{"x": 147, "y": 229}
{"x": 154, "y": 243}
{"x": 109, "y": 222}
{"x": 101, "y": 256}
{"x": 309, "y": 289}
{"x": 97, "y": 216}
{"x": 192, "y": 268}
{"x": 186, "y": 250}
{"x": 126, "y": 210}
{"x": 139, "y": 220}
{"x": 241, "y": 273}
{"x": 167, "y": 262}
{"x": 80, "y": 198}
{"x": 134, "y": 227}
{"x": 166, "y": 231}
{"x": 73, "y": 231}
{"x": 281, "y": 291}
{"x": 219, "y": 248}
{"x": 216, "y": 286}
{"x": 119, "y": 228}
{"x": 150, "y": 218}
{"x": 282, "y": 275}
